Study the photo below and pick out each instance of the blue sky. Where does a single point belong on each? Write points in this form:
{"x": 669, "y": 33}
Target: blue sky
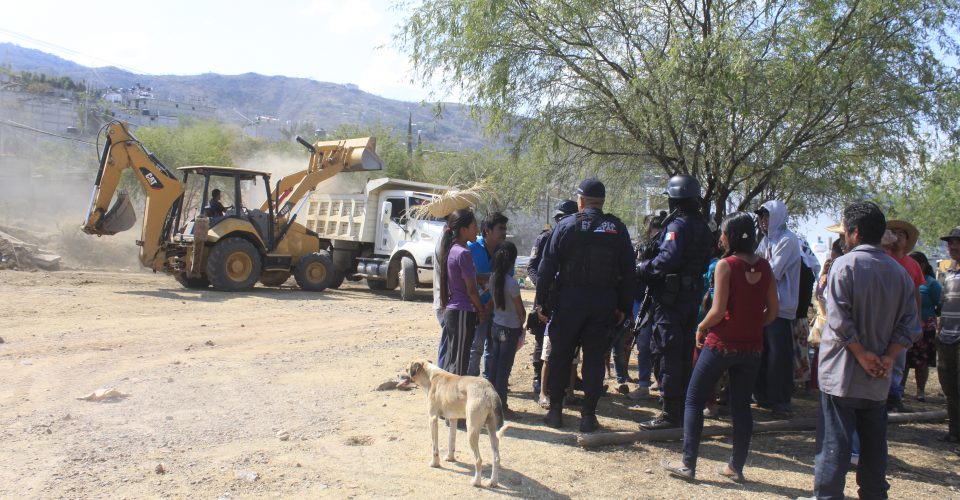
{"x": 328, "y": 40}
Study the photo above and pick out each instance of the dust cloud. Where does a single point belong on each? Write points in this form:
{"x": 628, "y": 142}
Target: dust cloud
{"x": 280, "y": 166}
{"x": 44, "y": 202}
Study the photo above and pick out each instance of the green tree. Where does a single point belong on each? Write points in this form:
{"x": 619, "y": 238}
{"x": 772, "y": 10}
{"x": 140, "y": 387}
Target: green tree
{"x": 804, "y": 100}
{"x": 192, "y": 143}
{"x": 932, "y": 204}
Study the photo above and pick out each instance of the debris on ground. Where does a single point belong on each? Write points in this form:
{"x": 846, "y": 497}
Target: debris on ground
{"x": 20, "y": 255}
{"x": 103, "y": 395}
{"x": 246, "y": 475}
{"x": 160, "y": 469}
{"x": 400, "y": 383}
{"x": 283, "y": 435}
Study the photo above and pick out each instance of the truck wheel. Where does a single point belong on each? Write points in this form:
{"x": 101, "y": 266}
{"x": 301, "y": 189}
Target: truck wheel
{"x": 407, "y": 278}
{"x": 192, "y": 283}
{"x": 376, "y": 284}
{"x": 337, "y": 280}
{"x": 274, "y": 278}
{"x": 233, "y": 265}
{"x": 314, "y": 272}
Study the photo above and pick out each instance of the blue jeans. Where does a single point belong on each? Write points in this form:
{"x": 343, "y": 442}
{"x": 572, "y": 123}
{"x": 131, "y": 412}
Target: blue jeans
{"x": 621, "y": 356}
{"x": 644, "y": 365}
{"x": 478, "y": 351}
{"x": 775, "y": 380}
{"x": 839, "y": 417}
{"x": 711, "y": 364}
{"x": 896, "y": 376}
{"x": 442, "y": 350}
{"x": 499, "y": 363}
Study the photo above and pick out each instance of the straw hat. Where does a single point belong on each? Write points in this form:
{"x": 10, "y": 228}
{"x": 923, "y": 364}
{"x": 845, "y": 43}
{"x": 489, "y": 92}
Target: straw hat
{"x": 451, "y": 201}
{"x": 913, "y": 234}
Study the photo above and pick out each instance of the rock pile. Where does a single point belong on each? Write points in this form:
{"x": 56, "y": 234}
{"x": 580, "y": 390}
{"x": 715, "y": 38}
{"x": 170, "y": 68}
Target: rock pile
{"x": 18, "y": 254}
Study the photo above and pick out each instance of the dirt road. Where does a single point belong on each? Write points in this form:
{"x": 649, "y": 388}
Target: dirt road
{"x": 269, "y": 394}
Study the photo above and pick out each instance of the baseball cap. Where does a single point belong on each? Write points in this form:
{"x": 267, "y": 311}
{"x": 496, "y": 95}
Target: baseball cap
{"x": 592, "y": 188}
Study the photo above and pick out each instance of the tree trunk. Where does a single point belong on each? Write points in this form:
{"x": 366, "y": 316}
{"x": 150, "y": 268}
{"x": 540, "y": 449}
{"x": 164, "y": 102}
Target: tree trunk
{"x": 676, "y": 434}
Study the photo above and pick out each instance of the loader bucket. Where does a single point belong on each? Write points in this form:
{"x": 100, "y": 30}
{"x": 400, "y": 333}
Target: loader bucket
{"x": 119, "y": 218}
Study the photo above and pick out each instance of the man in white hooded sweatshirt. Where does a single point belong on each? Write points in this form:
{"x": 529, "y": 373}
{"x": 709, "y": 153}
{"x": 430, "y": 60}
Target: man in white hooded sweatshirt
{"x": 781, "y": 248}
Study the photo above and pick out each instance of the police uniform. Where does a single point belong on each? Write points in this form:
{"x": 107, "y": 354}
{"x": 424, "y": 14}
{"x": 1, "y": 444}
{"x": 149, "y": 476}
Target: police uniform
{"x": 536, "y": 327}
{"x": 591, "y": 256}
{"x": 675, "y": 283}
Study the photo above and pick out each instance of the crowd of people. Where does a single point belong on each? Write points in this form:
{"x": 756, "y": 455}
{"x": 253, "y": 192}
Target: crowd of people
{"x": 719, "y": 317}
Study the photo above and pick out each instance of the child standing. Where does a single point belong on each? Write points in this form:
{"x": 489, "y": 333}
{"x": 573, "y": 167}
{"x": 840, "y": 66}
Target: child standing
{"x": 508, "y": 316}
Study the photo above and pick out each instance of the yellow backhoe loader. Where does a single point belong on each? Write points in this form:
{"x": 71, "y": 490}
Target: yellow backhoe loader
{"x": 234, "y": 249}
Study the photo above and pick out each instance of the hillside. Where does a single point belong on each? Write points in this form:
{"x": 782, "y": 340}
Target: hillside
{"x": 252, "y": 94}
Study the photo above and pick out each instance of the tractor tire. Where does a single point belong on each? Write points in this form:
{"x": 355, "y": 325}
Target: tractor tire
{"x": 337, "y": 280}
{"x": 233, "y": 265}
{"x": 407, "y": 278}
{"x": 377, "y": 285}
{"x": 192, "y": 283}
{"x": 314, "y": 272}
{"x": 274, "y": 278}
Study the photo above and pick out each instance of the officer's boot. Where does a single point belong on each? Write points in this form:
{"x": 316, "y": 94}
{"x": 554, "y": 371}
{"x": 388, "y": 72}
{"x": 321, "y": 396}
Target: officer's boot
{"x": 554, "y": 417}
{"x": 588, "y": 419}
{"x": 669, "y": 418}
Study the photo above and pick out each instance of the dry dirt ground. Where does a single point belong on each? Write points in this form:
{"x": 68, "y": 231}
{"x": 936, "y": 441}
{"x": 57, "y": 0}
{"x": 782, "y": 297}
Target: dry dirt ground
{"x": 212, "y": 378}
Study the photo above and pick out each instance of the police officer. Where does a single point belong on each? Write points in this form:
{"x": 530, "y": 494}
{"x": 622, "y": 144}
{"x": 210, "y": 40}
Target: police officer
{"x": 674, "y": 277}
{"x": 591, "y": 256}
{"x": 537, "y": 327}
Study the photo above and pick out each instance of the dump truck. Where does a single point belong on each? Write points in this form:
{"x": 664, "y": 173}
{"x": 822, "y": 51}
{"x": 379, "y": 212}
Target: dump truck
{"x": 241, "y": 244}
{"x": 372, "y": 237}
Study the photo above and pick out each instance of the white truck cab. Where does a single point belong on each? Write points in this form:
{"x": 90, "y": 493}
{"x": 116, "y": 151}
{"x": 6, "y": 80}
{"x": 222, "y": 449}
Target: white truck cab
{"x": 370, "y": 236}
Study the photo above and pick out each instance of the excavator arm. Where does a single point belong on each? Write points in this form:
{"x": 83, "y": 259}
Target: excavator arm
{"x": 327, "y": 159}
{"x": 163, "y": 190}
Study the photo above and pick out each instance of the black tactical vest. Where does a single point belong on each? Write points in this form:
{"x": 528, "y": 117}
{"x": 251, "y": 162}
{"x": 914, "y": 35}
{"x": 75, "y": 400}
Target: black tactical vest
{"x": 698, "y": 245}
{"x": 592, "y": 259}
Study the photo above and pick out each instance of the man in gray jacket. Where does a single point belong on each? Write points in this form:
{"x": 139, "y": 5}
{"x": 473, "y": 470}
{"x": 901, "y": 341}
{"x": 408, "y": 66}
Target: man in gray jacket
{"x": 781, "y": 248}
{"x": 871, "y": 319}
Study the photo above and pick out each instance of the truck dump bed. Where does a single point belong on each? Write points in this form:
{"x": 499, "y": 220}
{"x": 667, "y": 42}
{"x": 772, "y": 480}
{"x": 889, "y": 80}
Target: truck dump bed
{"x": 342, "y": 217}
{"x": 353, "y": 217}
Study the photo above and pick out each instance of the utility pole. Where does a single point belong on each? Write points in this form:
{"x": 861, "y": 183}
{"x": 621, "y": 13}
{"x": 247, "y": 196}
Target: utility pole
{"x": 410, "y": 135}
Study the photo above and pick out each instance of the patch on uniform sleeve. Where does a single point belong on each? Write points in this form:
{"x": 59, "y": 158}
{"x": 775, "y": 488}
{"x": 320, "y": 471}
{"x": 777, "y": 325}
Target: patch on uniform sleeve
{"x": 607, "y": 227}
{"x": 671, "y": 236}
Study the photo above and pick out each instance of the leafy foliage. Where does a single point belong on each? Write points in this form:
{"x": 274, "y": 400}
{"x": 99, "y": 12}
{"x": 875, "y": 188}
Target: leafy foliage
{"x": 803, "y": 100}
{"x": 932, "y": 204}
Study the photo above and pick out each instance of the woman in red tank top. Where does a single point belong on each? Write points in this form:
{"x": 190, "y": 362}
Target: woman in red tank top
{"x": 731, "y": 339}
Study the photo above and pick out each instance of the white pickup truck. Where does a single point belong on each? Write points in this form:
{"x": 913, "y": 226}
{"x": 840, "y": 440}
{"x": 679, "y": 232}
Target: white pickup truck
{"x": 369, "y": 235}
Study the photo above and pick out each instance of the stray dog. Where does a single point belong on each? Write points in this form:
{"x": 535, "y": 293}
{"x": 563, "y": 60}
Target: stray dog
{"x": 454, "y": 397}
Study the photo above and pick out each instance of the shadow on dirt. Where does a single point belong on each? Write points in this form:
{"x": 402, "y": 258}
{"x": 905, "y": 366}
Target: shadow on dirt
{"x": 211, "y": 295}
{"x": 512, "y": 483}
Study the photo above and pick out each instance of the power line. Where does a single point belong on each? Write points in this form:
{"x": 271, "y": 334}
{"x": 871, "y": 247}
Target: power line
{"x": 14, "y": 124}
{"x": 71, "y": 51}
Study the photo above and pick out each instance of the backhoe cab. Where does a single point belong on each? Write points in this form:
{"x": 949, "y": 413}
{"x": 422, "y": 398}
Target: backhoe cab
{"x": 234, "y": 250}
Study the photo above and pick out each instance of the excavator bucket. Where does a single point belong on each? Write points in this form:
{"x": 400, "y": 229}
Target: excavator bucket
{"x": 119, "y": 218}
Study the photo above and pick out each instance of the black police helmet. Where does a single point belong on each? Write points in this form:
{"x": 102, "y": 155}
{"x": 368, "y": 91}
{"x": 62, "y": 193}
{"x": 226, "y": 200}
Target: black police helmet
{"x": 683, "y": 186}
{"x": 565, "y": 207}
